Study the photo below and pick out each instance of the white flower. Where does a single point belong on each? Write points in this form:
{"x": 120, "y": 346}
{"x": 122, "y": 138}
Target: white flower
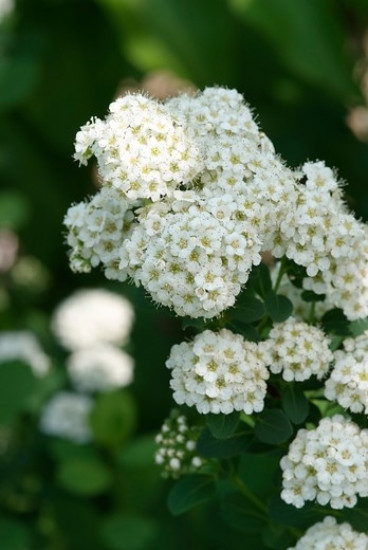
{"x": 327, "y": 464}
{"x": 23, "y": 346}
{"x": 330, "y": 535}
{"x": 66, "y": 415}
{"x": 219, "y": 372}
{"x": 298, "y": 350}
{"x": 348, "y": 381}
{"x": 92, "y": 316}
{"x": 100, "y": 367}
{"x": 176, "y": 446}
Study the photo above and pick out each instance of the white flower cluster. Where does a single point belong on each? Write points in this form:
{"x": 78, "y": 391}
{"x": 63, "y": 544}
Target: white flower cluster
{"x": 97, "y": 230}
{"x": 92, "y": 323}
{"x": 193, "y": 192}
{"x": 298, "y": 350}
{"x": 101, "y": 368}
{"x": 198, "y": 190}
{"x": 330, "y": 535}
{"x": 348, "y": 381}
{"x": 328, "y": 464}
{"x": 176, "y": 453}
{"x": 141, "y": 148}
{"x": 22, "y": 345}
{"x": 218, "y": 372}
{"x": 91, "y": 316}
{"x": 66, "y": 415}
{"x": 6, "y": 8}
{"x": 321, "y": 235}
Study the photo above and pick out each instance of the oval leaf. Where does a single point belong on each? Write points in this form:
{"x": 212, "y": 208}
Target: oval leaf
{"x": 278, "y": 307}
{"x": 223, "y": 426}
{"x": 294, "y": 403}
{"x": 189, "y": 492}
{"x": 248, "y": 309}
{"x": 272, "y": 426}
{"x": 210, "y": 447}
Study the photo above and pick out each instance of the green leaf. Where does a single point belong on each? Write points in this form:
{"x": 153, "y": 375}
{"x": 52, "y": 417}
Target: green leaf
{"x": 222, "y": 426}
{"x": 84, "y": 477}
{"x": 128, "y": 532}
{"x": 17, "y": 383}
{"x": 199, "y": 323}
{"x": 189, "y": 492}
{"x": 287, "y": 514}
{"x": 310, "y": 296}
{"x": 335, "y": 321}
{"x": 358, "y": 516}
{"x": 259, "y": 280}
{"x": 278, "y": 307}
{"x": 113, "y": 418}
{"x": 294, "y": 403}
{"x": 248, "y": 309}
{"x": 240, "y": 514}
{"x": 272, "y": 426}
{"x": 276, "y": 537}
{"x": 210, "y": 447}
{"x": 358, "y": 327}
{"x": 249, "y": 332}
{"x": 13, "y": 535}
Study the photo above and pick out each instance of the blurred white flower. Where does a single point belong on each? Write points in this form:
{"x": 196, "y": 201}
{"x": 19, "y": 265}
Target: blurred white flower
{"x": 22, "y": 345}
{"x": 89, "y": 317}
{"x": 6, "y": 7}
{"x": 100, "y": 368}
{"x": 67, "y": 415}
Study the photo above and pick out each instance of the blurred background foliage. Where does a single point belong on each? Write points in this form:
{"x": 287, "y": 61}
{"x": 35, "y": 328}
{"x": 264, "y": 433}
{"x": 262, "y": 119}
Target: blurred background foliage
{"x": 301, "y": 65}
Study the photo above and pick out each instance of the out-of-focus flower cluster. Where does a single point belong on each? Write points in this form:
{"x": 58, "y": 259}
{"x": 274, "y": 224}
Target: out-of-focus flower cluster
{"x": 92, "y": 324}
{"x": 192, "y": 193}
{"x": 22, "y": 345}
{"x": 328, "y": 464}
{"x": 176, "y": 446}
{"x": 330, "y": 535}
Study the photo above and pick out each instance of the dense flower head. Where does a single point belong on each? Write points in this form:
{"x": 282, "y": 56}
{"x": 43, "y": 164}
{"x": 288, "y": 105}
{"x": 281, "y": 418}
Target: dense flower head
{"x": 99, "y": 368}
{"x": 66, "y": 415}
{"x": 91, "y": 316}
{"x": 188, "y": 257}
{"x": 176, "y": 446}
{"x": 96, "y": 231}
{"x": 328, "y": 464}
{"x": 330, "y": 535}
{"x": 348, "y": 381}
{"x": 298, "y": 350}
{"x": 22, "y": 345}
{"x": 193, "y": 192}
{"x": 218, "y": 372}
{"x": 141, "y": 148}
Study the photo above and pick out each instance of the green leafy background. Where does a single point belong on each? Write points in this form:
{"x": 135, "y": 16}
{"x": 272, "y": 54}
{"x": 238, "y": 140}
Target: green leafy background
{"x": 62, "y": 61}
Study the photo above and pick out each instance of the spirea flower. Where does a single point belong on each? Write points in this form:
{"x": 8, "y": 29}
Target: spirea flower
{"x": 193, "y": 256}
{"x": 22, "y": 345}
{"x": 348, "y": 381}
{"x": 91, "y": 316}
{"x": 66, "y": 415}
{"x": 218, "y": 372}
{"x": 99, "y": 368}
{"x": 330, "y": 535}
{"x": 141, "y": 148}
{"x": 176, "y": 446}
{"x": 298, "y": 350}
{"x": 96, "y": 231}
{"x": 328, "y": 464}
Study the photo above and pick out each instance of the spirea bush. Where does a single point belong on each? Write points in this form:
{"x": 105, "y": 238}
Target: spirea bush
{"x": 268, "y": 268}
